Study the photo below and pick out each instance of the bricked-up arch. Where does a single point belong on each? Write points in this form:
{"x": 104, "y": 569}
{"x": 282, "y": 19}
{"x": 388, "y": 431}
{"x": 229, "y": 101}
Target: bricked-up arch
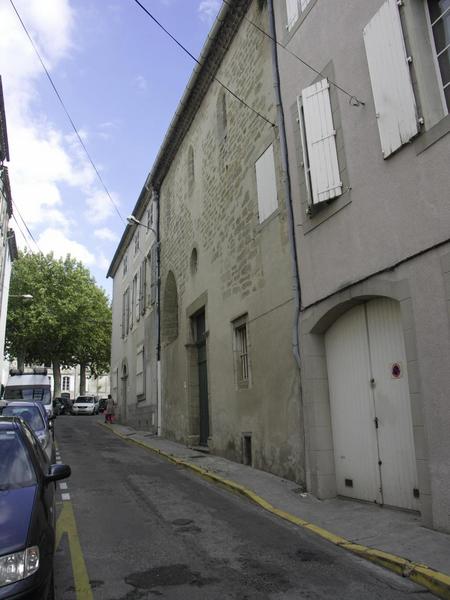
{"x": 169, "y": 329}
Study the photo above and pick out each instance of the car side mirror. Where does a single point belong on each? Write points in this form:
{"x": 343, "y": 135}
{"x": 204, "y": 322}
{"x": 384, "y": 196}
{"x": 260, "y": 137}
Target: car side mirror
{"x": 57, "y": 472}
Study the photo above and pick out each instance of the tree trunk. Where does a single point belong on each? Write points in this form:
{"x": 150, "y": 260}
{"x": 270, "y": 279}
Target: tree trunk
{"x": 82, "y": 380}
{"x": 20, "y": 363}
{"x": 56, "y": 379}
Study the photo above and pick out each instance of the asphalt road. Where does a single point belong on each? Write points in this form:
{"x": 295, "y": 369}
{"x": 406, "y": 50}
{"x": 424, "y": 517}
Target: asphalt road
{"x": 138, "y": 527}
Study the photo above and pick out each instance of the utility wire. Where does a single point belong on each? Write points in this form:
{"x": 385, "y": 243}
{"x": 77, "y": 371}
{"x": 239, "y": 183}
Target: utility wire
{"x": 67, "y": 112}
{"x": 354, "y": 101}
{"x": 172, "y": 37}
{"x": 27, "y": 240}
{"x": 26, "y": 226}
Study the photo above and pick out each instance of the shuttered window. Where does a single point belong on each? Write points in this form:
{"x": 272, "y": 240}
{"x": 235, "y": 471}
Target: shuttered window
{"x": 292, "y": 12}
{"x": 320, "y": 160}
{"x": 153, "y": 274}
{"x": 304, "y": 4}
{"x": 393, "y": 95}
{"x": 143, "y": 287}
{"x": 266, "y": 184}
{"x": 140, "y": 371}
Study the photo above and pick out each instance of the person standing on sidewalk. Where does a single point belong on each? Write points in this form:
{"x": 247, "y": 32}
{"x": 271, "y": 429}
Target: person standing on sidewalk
{"x": 109, "y": 411}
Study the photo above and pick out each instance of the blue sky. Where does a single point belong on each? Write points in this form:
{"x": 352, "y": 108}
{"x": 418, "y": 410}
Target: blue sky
{"x": 121, "y": 79}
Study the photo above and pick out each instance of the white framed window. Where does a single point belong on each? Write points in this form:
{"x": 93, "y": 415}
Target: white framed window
{"x": 140, "y": 371}
{"x": 293, "y": 10}
{"x": 438, "y": 14}
{"x": 320, "y": 160}
{"x": 266, "y": 184}
{"x": 66, "y": 383}
{"x": 241, "y": 351}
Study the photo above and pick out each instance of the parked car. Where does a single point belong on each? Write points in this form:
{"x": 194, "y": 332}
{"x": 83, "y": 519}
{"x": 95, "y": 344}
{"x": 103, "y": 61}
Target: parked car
{"x": 85, "y": 405}
{"x": 34, "y": 414}
{"x": 27, "y": 507}
{"x": 63, "y": 405}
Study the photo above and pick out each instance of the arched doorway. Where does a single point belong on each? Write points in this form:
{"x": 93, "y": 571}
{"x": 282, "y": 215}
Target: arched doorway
{"x": 370, "y": 405}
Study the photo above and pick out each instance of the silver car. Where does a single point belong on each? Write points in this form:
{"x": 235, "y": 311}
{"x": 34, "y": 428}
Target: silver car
{"x": 85, "y": 405}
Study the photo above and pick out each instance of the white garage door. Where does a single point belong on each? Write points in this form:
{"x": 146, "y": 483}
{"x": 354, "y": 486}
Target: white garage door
{"x": 370, "y": 405}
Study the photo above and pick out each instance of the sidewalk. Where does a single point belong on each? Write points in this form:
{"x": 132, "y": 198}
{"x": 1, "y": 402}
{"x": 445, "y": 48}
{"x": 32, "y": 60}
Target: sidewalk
{"x": 388, "y": 537}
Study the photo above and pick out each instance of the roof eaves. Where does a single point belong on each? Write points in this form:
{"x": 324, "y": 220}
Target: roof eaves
{"x": 4, "y": 148}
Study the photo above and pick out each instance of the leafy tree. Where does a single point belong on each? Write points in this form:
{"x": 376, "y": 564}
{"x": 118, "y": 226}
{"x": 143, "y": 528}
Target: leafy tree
{"x": 68, "y": 318}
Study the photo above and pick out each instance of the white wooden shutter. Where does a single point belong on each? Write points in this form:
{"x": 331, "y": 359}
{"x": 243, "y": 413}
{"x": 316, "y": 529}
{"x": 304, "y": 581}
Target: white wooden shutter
{"x": 304, "y": 4}
{"x": 392, "y": 89}
{"x": 321, "y": 162}
{"x": 153, "y": 274}
{"x": 266, "y": 184}
{"x": 292, "y": 12}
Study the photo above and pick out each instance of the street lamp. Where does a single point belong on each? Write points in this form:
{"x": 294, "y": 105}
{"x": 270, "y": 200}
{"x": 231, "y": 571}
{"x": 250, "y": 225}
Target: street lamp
{"x": 133, "y": 221}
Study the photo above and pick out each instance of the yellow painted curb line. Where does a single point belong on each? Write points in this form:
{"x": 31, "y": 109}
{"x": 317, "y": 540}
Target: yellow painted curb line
{"x": 66, "y": 524}
{"x": 438, "y": 583}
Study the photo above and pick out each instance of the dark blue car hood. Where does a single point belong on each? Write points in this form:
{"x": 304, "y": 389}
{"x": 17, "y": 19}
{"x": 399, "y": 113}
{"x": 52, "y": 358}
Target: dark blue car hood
{"x": 16, "y": 508}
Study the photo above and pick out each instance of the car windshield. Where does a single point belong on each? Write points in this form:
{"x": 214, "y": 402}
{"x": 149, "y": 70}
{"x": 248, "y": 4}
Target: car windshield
{"x": 31, "y": 414}
{"x": 28, "y": 394}
{"x": 85, "y": 400}
{"x": 16, "y": 469}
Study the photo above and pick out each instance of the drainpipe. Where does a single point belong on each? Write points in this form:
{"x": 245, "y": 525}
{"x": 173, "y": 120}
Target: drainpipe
{"x": 158, "y": 313}
{"x": 296, "y": 289}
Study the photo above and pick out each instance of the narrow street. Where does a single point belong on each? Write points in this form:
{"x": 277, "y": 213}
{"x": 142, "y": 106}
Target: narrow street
{"x": 145, "y": 528}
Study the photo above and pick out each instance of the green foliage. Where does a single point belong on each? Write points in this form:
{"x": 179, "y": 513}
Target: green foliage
{"x": 67, "y": 321}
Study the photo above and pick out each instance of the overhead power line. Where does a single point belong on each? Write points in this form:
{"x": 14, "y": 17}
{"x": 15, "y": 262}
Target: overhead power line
{"x": 58, "y": 95}
{"x": 354, "y": 100}
{"x": 16, "y": 210}
{"x": 172, "y": 37}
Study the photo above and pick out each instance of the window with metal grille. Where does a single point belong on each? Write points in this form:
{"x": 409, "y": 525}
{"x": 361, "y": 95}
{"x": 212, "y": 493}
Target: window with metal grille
{"x": 439, "y": 13}
{"x": 66, "y": 384}
{"x": 241, "y": 346}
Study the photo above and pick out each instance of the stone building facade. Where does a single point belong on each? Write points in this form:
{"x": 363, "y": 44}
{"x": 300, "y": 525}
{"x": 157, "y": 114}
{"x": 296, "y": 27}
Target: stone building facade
{"x": 228, "y": 378}
{"x": 373, "y": 222}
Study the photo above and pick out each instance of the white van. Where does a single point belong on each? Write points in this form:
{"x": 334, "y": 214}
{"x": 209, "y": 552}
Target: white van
{"x": 30, "y": 387}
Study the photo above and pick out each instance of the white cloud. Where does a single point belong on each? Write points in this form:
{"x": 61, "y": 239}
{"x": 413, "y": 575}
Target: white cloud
{"x": 44, "y": 160}
{"x": 104, "y": 233}
{"x": 99, "y": 206}
{"x": 208, "y": 10}
{"x": 54, "y": 240}
{"x": 140, "y": 82}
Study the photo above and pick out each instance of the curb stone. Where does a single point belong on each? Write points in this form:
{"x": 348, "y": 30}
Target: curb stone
{"x": 436, "y": 582}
